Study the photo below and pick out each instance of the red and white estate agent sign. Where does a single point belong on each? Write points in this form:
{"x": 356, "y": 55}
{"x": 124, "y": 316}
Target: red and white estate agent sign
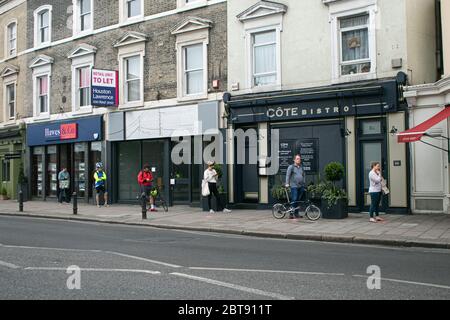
{"x": 105, "y": 88}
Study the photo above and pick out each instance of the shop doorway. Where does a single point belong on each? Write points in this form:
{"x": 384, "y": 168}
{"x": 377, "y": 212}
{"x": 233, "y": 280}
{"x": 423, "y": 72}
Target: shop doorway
{"x": 372, "y": 147}
{"x": 246, "y": 176}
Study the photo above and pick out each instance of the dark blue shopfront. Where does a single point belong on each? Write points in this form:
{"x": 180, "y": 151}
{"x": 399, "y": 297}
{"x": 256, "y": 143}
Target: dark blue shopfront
{"x": 75, "y": 144}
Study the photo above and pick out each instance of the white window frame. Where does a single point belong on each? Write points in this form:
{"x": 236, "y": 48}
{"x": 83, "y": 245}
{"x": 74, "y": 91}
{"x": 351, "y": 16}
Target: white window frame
{"x": 123, "y": 103}
{"x": 123, "y": 12}
{"x": 183, "y": 3}
{"x": 185, "y": 36}
{"x": 8, "y": 40}
{"x": 254, "y": 75}
{"x": 249, "y": 34}
{"x": 84, "y": 61}
{"x": 336, "y": 38}
{"x": 181, "y": 81}
{"x": 7, "y": 115}
{"x": 77, "y": 18}
{"x": 37, "y": 13}
{"x": 38, "y": 72}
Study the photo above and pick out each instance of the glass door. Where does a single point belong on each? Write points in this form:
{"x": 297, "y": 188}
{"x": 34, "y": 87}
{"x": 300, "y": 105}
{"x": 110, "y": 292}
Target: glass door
{"x": 52, "y": 172}
{"x": 37, "y": 180}
{"x": 80, "y": 169}
{"x": 372, "y": 148}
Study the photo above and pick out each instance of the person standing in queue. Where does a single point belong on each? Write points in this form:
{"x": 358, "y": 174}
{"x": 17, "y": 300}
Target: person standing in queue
{"x": 145, "y": 180}
{"x": 295, "y": 179}
{"x": 100, "y": 184}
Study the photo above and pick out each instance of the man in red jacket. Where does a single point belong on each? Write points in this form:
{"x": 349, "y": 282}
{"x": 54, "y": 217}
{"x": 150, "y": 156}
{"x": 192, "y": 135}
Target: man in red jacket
{"x": 145, "y": 179}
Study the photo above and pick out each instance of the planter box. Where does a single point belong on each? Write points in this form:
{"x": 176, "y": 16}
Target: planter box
{"x": 338, "y": 211}
{"x": 223, "y": 199}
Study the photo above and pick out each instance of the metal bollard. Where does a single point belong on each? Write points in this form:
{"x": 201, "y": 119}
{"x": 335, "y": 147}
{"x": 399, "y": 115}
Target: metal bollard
{"x": 75, "y": 203}
{"x": 21, "y": 200}
{"x": 144, "y": 206}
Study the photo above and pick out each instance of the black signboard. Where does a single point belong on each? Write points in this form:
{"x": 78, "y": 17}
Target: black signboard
{"x": 9, "y": 156}
{"x": 286, "y": 155}
{"x": 309, "y": 150}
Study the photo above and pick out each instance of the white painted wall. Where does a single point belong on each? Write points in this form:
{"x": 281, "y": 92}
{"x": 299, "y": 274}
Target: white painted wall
{"x": 445, "y": 18}
{"x": 306, "y": 41}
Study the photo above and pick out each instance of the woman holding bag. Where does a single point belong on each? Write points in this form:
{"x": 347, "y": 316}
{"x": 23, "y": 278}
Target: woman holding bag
{"x": 210, "y": 179}
{"x": 375, "y": 191}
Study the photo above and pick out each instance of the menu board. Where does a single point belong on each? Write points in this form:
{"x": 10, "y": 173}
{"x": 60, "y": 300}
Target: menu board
{"x": 285, "y": 155}
{"x": 308, "y": 150}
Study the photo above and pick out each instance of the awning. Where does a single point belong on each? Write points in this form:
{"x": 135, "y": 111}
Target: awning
{"x": 414, "y": 134}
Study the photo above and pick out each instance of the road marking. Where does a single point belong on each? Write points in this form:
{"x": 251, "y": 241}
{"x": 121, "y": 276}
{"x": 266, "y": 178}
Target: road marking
{"x": 269, "y": 271}
{"x": 94, "y": 270}
{"x": 96, "y": 251}
{"x": 234, "y": 286}
{"x": 409, "y": 282}
{"x": 144, "y": 259}
{"x": 8, "y": 265}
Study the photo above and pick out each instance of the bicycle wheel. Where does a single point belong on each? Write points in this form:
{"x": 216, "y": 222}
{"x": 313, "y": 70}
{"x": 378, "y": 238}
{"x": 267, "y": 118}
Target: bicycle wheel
{"x": 278, "y": 211}
{"x": 313, "y": 212}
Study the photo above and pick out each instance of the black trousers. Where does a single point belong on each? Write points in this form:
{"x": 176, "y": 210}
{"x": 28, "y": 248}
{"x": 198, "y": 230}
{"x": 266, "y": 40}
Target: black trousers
{"x": 213, "y": 191}
{"x": 64, "y": 195}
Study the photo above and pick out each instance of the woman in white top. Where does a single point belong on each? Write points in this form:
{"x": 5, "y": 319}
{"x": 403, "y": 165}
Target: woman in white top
{"x": 375, "y": 179}
{"x": 210, "y": 176}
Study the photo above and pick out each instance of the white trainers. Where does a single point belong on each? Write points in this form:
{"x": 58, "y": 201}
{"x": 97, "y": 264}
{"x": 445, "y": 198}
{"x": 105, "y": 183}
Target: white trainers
{"x": 372, "y": 220}
{"x": 226, "y": 210}
{"x": 212, "y": 211}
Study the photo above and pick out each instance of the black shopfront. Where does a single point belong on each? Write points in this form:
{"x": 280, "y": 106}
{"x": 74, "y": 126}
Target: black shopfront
{"x": 344, "y": 123}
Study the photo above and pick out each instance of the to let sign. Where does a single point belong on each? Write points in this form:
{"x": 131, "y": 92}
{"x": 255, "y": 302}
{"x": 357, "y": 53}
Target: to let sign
{"x": 105, "y": 88}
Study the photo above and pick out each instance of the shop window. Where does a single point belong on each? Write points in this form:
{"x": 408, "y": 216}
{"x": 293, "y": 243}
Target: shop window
{"x": 6, "y": 170}
{"x": 95, "y": 156}
{"x": 80, "y": 169}
{"x": 129, "y": 163}
{"x": 52, "y": 172}
{"x": 38, "y": 172}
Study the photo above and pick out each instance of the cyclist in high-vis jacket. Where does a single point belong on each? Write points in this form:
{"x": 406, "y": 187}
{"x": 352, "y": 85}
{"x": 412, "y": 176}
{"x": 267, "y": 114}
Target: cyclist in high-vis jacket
{"x": 100, "y": 183}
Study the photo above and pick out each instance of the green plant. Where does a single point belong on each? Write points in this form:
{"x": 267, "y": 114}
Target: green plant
{"x": 4, "y": 192}
{"x": 221, "y": 189}
{"x": 334, "y": 171}
{"x": 218, "y": 168}
{"x": 278, "y": 192}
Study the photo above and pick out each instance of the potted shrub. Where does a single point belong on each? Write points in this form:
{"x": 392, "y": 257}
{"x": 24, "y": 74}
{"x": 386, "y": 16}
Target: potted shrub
{"x": 278, "y": 192}
{"x": 335, "y": 201}
{"x": 4, "y": 193}
{"x": 22, "y": 183}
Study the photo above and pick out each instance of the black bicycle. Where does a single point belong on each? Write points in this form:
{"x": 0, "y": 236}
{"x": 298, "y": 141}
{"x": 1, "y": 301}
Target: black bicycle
{"x": 280, "y": 210}
{"x": 156, "y": 193}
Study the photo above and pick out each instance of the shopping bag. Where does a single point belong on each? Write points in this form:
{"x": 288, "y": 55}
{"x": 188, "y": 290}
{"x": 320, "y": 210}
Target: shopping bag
{"x": 205, "y": 188}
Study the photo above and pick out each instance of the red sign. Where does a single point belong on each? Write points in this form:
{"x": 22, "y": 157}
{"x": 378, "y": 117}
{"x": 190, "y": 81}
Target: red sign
{"x": 68, "y": 131}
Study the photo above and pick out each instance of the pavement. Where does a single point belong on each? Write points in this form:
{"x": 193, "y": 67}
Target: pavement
{"x": 419, "y": 230}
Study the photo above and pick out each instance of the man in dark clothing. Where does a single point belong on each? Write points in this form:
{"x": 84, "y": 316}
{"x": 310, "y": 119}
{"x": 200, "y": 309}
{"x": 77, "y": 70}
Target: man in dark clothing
{"x": 295, "y": 179}
{"x": 145, "y": 179}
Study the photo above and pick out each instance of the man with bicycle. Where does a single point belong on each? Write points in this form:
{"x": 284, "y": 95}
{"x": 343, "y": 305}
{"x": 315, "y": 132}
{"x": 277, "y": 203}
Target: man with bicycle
{"x": 295, "y": 179}
{"x": 145, "y": 179}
